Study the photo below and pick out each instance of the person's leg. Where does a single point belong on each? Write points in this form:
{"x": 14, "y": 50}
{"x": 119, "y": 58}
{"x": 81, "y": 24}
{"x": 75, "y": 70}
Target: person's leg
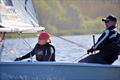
{"x": 95, "y": 58}
{"x": 88, "y": 59}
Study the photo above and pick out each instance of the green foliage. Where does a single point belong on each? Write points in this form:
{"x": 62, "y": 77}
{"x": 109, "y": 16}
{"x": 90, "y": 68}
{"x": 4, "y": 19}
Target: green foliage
{"x": 52, "y": 29}
{"x": 75, "y": 16}
{"x": 23, "y": 35}
{"x": 92, "y": 25}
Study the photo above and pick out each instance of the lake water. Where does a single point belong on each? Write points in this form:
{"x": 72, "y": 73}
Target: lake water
{"x": 65, "y": 51}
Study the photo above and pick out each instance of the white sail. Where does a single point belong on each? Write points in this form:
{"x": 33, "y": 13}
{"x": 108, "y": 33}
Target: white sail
{"x": 18, "y": 16}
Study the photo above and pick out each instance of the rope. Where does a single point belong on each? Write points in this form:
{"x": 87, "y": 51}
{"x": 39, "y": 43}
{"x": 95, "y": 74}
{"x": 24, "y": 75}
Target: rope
{"x": 30, "y": 16}
{"x": 29, "y": 12}
{"x": 26, "y": 43}
{"x": 81, "y": 46}
{"x": 79, "y": 58}
{"x": 72, "y": 42}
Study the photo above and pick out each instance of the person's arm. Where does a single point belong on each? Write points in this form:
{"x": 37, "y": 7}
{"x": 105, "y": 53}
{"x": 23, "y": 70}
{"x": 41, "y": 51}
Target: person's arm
{"x": 28, "y": 55}
{"x": 100, "y": 43}
{"x": 52, "y": 57}
{"x": 51, "y": 54}
{"x": 32, "y": 53}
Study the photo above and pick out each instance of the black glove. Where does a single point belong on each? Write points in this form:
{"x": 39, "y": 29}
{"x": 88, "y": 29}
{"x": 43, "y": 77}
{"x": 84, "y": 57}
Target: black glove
{"x": 90, "y": 50}
{"x": 18, "y": 59}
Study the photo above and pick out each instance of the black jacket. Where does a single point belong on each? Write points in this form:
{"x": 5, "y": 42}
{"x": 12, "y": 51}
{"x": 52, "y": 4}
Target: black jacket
{"x": 106, "y": 45}
{"x": 107, "y": 38}
{"x": 43, "y": 53}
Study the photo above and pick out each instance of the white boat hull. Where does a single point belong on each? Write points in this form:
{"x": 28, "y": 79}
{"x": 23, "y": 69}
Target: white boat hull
{"x": 57, "y": 71}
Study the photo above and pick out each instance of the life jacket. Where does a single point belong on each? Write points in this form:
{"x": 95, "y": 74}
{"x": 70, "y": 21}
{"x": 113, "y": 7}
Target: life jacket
{"x": 112, "y": 50}
{"x": 47, "y": 53}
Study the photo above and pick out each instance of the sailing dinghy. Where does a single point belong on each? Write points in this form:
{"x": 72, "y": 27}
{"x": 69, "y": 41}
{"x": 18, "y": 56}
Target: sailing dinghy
{"x": 19, "y": 16}
{"x": 57, "y": 71}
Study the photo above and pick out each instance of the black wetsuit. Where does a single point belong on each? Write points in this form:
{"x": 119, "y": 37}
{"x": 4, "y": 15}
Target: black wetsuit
{"x": 42, "y": 52}
{"x": 108, "y": 51}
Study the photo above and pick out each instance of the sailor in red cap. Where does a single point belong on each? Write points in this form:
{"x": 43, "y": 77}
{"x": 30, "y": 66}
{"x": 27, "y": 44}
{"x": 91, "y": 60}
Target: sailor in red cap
{"x": 43, "y": 50}
{"x": 44, "y": 38}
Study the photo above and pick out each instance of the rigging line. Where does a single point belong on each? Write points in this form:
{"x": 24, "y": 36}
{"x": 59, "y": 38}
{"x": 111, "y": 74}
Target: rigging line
{"x": 79, "y": 45}
{"x": 25, "y": 41}
{"x": 28, "y": 45}
{"x": 81, "y": 57}
{"x": 36, "y": 14}
{"x": 28, "y": 13}
{"x": 29, "y": 19}
{"x": 24, "y": 7}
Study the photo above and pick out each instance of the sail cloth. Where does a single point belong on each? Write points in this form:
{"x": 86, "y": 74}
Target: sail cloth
{"x": 19, "y": 16}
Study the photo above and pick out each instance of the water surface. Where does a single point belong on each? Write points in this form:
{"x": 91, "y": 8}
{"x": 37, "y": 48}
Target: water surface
{"x": 65, "y": 51}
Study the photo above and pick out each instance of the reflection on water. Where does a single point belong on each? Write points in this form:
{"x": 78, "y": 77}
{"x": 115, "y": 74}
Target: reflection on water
{"x": 65, "y": 51}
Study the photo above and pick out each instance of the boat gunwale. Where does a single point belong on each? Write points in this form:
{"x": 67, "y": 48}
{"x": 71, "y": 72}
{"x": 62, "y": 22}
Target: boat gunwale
{"x": 59, "y": 64}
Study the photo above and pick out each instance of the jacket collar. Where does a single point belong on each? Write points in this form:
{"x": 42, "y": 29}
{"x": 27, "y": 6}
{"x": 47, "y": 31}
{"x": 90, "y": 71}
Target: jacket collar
{"x": 111, "y": 27}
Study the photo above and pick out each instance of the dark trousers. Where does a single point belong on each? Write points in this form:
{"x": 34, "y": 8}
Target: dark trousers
{"x": 95, "y": 58}
{"x": 99, "y": 58}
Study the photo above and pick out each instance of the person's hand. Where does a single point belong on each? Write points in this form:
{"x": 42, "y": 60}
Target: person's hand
{"x": 18, "y": 59}
{"x": 90, "y": 50}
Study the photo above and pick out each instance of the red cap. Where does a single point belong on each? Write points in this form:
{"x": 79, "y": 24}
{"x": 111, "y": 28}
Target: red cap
{"x": 44, "y": 36}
